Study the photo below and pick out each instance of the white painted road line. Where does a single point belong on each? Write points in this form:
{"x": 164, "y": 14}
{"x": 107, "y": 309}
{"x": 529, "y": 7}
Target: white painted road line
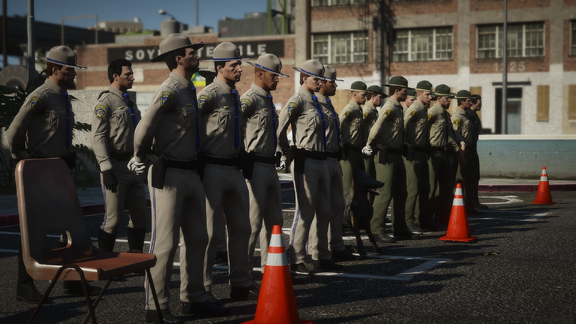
{"x": 533, "y": 218}
{"x": 507, "y": 200}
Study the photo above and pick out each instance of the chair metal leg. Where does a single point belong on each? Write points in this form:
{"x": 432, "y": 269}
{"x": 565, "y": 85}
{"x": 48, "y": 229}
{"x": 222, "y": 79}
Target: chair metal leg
{"x": 85, "y": 287}
{"x": 97, "y": 301}
{"x": 156, "y": 302}
{"x": 46, "y": 293}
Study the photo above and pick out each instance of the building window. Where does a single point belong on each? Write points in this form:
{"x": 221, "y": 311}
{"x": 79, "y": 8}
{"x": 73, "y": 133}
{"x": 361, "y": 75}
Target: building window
{"x": 426, "y": 44}
{"x": 351, "y": 47}
{"x": 573, "y": 38}
{"x": 524, "y": 40}
{"x": 325, "y": 3}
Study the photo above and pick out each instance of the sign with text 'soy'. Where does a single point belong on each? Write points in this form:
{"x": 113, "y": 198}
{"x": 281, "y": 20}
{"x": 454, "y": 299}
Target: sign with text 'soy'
{"x": 143, "y": 54}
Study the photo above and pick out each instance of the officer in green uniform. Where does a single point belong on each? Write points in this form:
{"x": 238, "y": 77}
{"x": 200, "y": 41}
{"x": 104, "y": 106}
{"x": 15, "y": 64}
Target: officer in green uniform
{"x": 386, "y": 137}
{"x": 464, "y": 126}
{"x": 43, "y": 129}
{"x": 169, "y": 135}
{"x": 351, "y": 129}
{"x": 333, "y": 153}
{"x": 260, "y": 143}
{"x": 410, "y": 98}
{"x": 444, "y": 141}
{"x": 310, "y": 170}
{"x": 477, "y": 127}
{"x": 374, "y": 99}
{"x": 112, "y": 139}
{"x": 416, "y": 139}
{"x": 223, "y": 181}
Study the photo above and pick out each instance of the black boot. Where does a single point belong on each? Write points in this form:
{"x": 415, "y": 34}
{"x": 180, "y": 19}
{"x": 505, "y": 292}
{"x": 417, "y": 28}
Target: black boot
{"x": 136, "y": 239}
{"x": 25, "y": 290}
{"x": 106, "y": 241}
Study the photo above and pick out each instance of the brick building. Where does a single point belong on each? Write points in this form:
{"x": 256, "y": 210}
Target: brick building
{"x": 456, "y": 42}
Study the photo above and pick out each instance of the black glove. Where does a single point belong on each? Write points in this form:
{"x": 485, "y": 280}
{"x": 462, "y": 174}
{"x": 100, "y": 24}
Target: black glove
{"x": 109, "y": 180}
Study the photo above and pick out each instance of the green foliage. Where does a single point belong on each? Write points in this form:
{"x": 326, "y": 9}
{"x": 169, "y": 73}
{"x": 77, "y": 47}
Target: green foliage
{"x": 10, "y": 102}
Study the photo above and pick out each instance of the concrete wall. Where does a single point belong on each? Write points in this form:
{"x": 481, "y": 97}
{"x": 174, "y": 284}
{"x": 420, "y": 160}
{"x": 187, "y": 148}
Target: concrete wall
{"x": 524, "y": 156}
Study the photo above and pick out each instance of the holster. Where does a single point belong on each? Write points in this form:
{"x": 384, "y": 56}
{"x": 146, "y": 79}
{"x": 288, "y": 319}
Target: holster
{"x": 299, "y": 160}
{"x": 383, "y": 157}
{"x": 246, "y": 163}
{"x": 408, "y": 151}
{"x": 158, "y": 170}
{"x": 278, "y": 158}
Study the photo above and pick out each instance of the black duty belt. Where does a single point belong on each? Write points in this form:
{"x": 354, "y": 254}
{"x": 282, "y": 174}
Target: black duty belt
{"x": 122, "y": 156}
{"x": 422, "y": 149}
{"x": 263, "y": 159}
{"x": 352, "y": 148}
{"x": 315, "y": 155}
{"x": 222, "y": 161}
{"x": 391, "y": 150}
{"x": 184, "y": 165}
{"x": 335, "y": 155}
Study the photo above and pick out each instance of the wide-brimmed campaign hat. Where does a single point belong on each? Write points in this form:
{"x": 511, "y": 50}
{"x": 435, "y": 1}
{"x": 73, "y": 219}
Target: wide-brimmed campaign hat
{"x": 463, "y": 94}
{"x": 377, "y": 90}
{"x": 312, "y": 68}
{"x": 358, "y": 86}
{"x": 62, "y": 55}
{"x": 443, "y": 90}
{"x": 174, "y": 42}
{"x": 208, "y": 72}
{"x": 227, "y": 51}
{"x": 424, "y": 85}
{"x": 411, "y": 93}
{"x": 330, "y": 73}
{"x": 398, "y": 81}
{"x": 271, "y": 63}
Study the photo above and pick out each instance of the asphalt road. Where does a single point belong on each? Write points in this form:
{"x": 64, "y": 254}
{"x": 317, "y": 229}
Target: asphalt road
{"x": 521, "y": 270}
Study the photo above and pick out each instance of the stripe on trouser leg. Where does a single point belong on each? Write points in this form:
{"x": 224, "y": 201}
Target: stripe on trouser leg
{"x": 152, "y": 244}
{"x": 105, "y": 207}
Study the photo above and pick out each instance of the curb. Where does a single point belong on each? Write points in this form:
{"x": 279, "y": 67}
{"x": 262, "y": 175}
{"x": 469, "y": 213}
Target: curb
{"x": 93, "y": 209}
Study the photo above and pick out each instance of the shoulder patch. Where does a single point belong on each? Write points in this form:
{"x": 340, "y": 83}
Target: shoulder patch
{"x": 34, "y": 103}
{"x": 100, "y": 112}
{"x": 244, "y": 104}
{"x": 166, "y": 98}
{"x": 291, "y": 107}
{"x": 366, "y": 115}
{"x": 412, "y": 114}
{"x": 430, "y": 116}
{"x": 203, "y": 101}
{"x": 456, "y": 122}
{"x": 387, "y": 112}
{"x": 347, "y": 113}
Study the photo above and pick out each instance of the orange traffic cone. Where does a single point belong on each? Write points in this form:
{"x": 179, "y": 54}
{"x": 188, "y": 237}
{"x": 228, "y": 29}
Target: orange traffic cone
{"x": 277, "y": 302}
{"x": 458, "y": 229}
{"x": 543, "y": 197}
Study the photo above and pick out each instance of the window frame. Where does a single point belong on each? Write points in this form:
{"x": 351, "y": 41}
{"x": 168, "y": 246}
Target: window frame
{"x": 498, "y": 34}
{"x": 572, "y": 51}
{"x": 434, "y": 51}
{"x": 351, "y": 37}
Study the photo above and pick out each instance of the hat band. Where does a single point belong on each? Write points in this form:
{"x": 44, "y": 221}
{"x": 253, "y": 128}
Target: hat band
{"x": 265, "y": 68}
{"x": 310, "y": 73}
{"x": 398, "y": 85}
{"x": 442, "y": 94}
{"x": 56, "y": 61}
{"x": 418, "y": 89}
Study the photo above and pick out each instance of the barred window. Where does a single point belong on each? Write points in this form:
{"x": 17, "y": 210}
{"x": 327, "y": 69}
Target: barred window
{"x": 324, "y": 3}
{"x": 524, "y": 40}
{"x": 573, "y": 38}
{"x": 424, "y": 44}
{"x": 350, "y": 47}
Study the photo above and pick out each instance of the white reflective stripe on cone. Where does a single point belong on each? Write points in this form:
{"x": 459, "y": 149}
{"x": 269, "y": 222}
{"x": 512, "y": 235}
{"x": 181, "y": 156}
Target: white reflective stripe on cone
{"x": 276, "y": 240}
{"x": 458, "y": 202}
{"x": 277, "y": 260}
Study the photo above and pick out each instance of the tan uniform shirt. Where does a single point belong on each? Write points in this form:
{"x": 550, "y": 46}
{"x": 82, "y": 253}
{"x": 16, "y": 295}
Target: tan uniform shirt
{"x": 332, "y": 140}
{"x": 416, "y": 125}
{"x": 216, "y": 104}
{"x": 41, "y": 122}
{"x": 169, "y": 125}
{"x": 261, "y": 122}
{"x": 112, "y": 126}
{"x": 351, "y": 126}
{"x": 302, "y": 114}
{"x": 389, "y": 127}
{"x": 441, "y": 129}
{"x": 462, "y": 125}
{"x": 370, "y": 115}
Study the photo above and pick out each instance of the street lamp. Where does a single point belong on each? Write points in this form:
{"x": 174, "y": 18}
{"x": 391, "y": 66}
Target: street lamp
{"x": 162, "y": 12}
{"x": 78, "y": 17}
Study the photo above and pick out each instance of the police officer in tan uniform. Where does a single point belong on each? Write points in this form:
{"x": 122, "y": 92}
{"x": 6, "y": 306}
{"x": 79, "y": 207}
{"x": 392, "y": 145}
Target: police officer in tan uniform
{"x": 310, "y": 171}
{"x": 43, "y": 129}
{"x": 351, "y": 129}
{"x": 386, "y": 137}
{"x": 444, "y": 141}
{"x": 410, "y": 98}
{"x": 333, "y": 153}
{"x": 374, "y": 99}
{"x": 463, "y": 125}
{"x": 113, "y": 123}
{"x": 223, "y": 181}
{"x": 416, "y": 139}
{"x": 260, "y": 160}
{"x": 169, "y": 135}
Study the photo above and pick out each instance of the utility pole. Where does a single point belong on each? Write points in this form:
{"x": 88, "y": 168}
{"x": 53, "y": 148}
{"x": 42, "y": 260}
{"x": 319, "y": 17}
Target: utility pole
{"x": 505, "y": 71}
{"x": 31, "y": 41}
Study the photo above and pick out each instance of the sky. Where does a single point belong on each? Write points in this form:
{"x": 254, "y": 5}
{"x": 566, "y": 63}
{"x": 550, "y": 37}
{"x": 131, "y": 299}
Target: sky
{"x": 210, "y": 11}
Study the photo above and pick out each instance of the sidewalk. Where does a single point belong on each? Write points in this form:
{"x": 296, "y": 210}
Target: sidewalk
{"x": 92, "y": 200}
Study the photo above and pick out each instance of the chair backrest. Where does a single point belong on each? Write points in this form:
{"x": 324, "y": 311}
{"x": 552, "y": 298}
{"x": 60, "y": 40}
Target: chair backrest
{"x": 48, "y": 204}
